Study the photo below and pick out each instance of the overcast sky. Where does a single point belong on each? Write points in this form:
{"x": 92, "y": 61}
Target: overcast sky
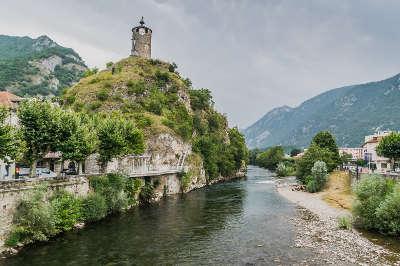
{"x": 253, "y": 55}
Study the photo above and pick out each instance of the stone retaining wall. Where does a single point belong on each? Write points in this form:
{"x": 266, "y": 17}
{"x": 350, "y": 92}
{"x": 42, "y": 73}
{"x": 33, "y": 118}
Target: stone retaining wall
{"x": 13, "y": 191}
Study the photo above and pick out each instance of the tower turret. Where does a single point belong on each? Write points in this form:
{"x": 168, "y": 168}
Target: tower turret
{"x": 141, "y": 40}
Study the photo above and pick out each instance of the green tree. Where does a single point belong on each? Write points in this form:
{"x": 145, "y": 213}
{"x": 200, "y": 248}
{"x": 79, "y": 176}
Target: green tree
{"x": 41, "y": 124}
{"x": 79, "y": 138}
{"x": 117, "y": 137}
{"x": 11, "y": 144}
{"x": 200, "y": 99}
{"x": 313, "y": 154}
{"x": 325, "y": 140}
{"x": 238, "y": 148}
{"x": 271, "y": 157}
{"x": 389, "y": 147}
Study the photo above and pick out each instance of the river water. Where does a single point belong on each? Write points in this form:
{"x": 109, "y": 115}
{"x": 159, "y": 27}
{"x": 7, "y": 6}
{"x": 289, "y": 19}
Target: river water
{"x": 239, "y": 222}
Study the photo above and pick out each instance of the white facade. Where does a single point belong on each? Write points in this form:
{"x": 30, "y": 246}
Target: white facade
{"x": 356, "y": 153}
{"x": 382, "y": 164}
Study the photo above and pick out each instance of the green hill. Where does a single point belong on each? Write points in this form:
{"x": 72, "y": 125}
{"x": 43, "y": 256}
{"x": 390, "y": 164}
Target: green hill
{"x": 37, "y": 66}
{"x": 349, "y": 113}
{"x": 160, "y": 102}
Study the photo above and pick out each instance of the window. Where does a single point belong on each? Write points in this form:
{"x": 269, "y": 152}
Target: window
{"x": 383, "y": 165}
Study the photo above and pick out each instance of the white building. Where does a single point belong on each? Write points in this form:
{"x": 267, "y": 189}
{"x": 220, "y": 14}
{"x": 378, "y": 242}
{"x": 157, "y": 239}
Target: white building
{"x": 356, "y": 153}
{"x": 382, "y": 164}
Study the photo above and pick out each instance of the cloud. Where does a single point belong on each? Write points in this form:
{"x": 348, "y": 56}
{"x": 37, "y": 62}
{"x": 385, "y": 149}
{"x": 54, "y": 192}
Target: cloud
{"x": 253, "y": 55}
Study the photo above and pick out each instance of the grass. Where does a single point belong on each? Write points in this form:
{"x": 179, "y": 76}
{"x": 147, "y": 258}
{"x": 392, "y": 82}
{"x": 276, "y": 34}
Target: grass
{"x": 338, "y": 191}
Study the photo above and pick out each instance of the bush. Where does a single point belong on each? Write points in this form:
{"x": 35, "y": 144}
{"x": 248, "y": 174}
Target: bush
{"x": 311, "y": 184}
{"x": 281, "y": 169}
{"x": 66, "y": 210}
{"x": 33, "y": 220}
{"x": 388, "y": 213}
{"x": 344, "y": 222}
{"x": 136, "y": 87}
{"x": 147, "y": 194}
{"x": 370, "y": 193}
{"x": 102, "y": 95}
{"x": 111, "y": 187}
{"x": 316, "y": 181}
{"x": 271, "y": 157}
{"x": 312, "y": 155}
{"x": 94, "y": 207}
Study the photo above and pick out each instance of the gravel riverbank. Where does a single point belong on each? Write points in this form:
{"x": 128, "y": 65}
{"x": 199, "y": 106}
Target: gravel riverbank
{"x": 317, "y": 229}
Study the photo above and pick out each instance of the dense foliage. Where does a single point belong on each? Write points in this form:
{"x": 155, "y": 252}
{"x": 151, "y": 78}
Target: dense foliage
{"x": 152, "y": 95}
{"x": 316, "y": 181}
{"x": 389, "y": 147}
{"x": 38, "y": 218}
{"x": 323, "y": 148}
{"x": 271, "y": 157}
{"x": 11, "y": 143}
{"x": 375, "y": 206}
{"x": 46, "y": 127}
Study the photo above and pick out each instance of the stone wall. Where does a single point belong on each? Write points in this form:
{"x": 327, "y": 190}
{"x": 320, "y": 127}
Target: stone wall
{"x": 13, "y": 191}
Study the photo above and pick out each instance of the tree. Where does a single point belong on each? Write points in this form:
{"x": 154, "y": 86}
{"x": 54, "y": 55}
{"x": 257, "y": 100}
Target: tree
{"x": 80, "y": 138}
{"x": 237, "y": 146}
{"x": 200, "y": 99}
{"x": 11, "y": 144}
{"x": 40, "y": 126}
{"x": 325, "y": 140}
{"x": 389, "y": 147}
{"x": 312, "y": 155}
{"x": 271, "y": 157}
{"x": 117, "y": 137}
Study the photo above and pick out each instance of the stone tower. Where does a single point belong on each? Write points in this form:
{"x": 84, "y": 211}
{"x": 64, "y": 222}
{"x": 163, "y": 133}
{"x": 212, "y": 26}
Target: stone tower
{"x": 141, "y": 40}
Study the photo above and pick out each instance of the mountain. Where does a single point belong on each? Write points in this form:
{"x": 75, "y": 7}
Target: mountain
{"x": 37, "y": 66}
{"x": 349, "y": 112}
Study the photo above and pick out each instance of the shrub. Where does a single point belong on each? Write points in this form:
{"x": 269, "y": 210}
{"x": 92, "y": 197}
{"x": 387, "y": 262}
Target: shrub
{"x": 312, "y": 155}
{"x": 33, "y": 220}
{"x": 316, "y": 181}
{"x": 66, "y": 210}
{"x": 102, "y": 95}
{"x": 388, "y": 213}
{"x": 94, "y": 207}
{"x": 370, "y": 193}
{"x": 271, "y": 157}
{"x": 136, "y": 87}
{"x": 147, "y": 194}
{"x": 311, "y": 184}
{"x": 111, "y": 187}
{"x": 344, "y": 222}
{"x": 283, "y": 169}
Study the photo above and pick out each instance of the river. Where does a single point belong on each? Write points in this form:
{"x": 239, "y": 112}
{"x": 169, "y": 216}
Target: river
{"x": 240, "y": 222}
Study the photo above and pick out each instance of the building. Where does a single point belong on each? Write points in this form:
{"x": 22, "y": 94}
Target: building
{"x": 141, "y": 40}
{"x": 381, "y": 164}
{"x": 356, "y": 153}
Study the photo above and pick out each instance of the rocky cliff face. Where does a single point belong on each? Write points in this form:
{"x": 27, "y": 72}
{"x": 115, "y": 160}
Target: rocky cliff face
{"x": 37, "y": 66}
{"x": 349, "y": 113}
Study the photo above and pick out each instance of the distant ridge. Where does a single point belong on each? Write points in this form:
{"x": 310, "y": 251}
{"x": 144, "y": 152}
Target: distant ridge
{"x": 349, "y": 112}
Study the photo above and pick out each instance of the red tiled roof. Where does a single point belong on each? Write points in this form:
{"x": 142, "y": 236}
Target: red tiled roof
{"x": 8, "y": 99}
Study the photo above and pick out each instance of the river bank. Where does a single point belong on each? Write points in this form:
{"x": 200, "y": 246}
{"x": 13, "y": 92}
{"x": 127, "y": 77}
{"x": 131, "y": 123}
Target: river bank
{"x": 317, "y": 229}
